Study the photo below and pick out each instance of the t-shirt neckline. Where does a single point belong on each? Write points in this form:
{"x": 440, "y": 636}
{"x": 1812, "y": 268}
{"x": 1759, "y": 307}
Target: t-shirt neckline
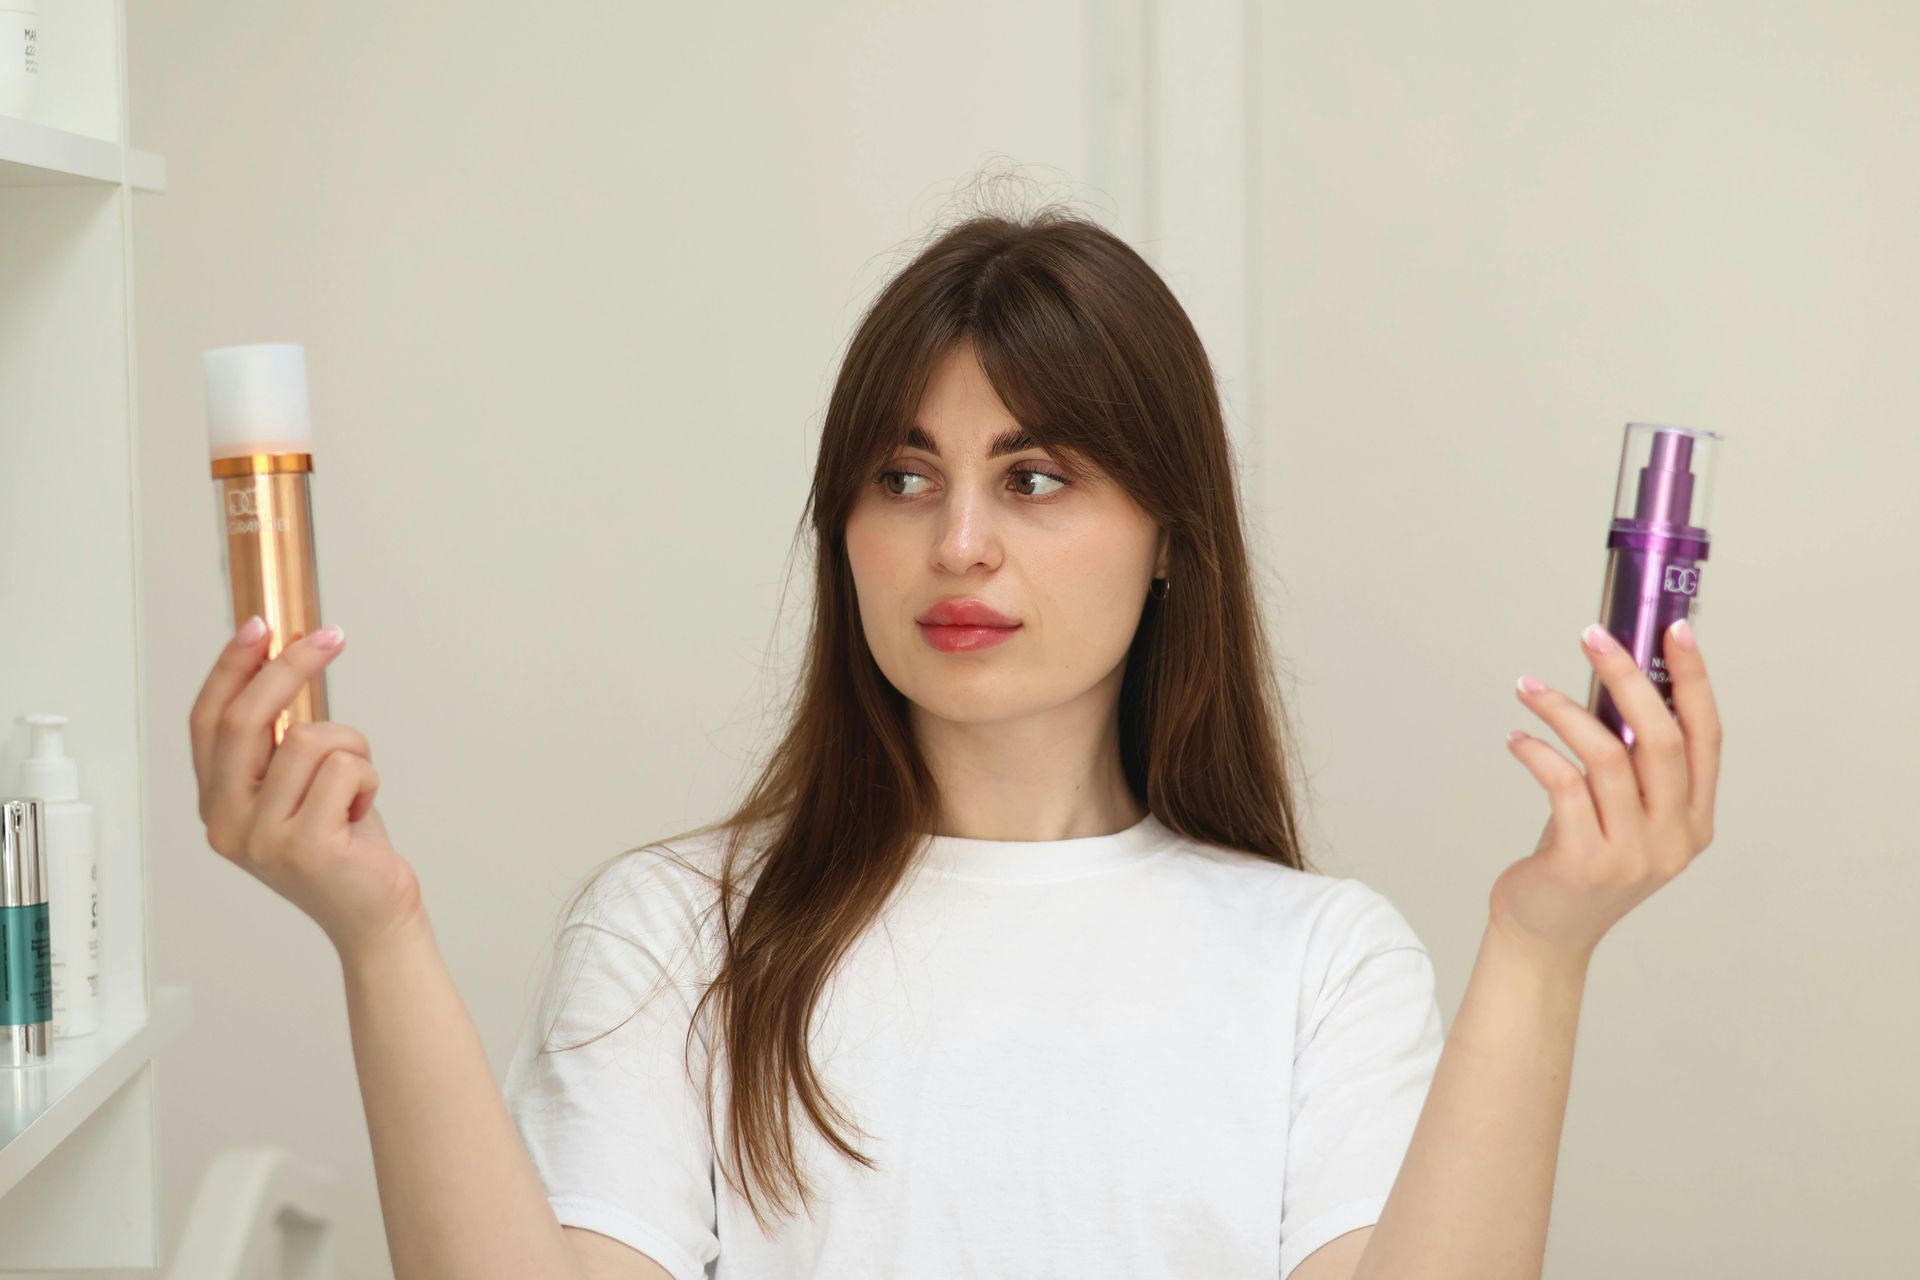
{"x": 1028, "y": 860}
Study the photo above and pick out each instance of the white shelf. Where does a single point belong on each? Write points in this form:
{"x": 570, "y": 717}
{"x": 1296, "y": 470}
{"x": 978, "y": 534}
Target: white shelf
{"x": 41, "y": 1106}
{"x": 80, "y": 1181}
{"x": 38, "y": 155}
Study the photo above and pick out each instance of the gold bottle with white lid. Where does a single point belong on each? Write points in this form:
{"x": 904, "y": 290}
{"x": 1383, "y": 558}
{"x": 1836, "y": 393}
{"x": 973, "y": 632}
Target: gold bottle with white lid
{"x": 261, "y": 441}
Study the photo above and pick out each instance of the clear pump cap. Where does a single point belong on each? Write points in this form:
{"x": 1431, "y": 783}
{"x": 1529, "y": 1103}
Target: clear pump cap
{"x": 1666, "y": 479}
{"x": 257, "y": 399}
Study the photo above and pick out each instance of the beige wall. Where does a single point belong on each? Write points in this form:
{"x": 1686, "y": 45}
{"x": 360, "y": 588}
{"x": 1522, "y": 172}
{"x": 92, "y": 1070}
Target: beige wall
{"x": 1492, "y": 235}
{"x": 573, "y": 281}
{"x": 573, "y": 290}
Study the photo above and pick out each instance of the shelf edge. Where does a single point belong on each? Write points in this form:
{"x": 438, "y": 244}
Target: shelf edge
{"x": 166, "y": 1017}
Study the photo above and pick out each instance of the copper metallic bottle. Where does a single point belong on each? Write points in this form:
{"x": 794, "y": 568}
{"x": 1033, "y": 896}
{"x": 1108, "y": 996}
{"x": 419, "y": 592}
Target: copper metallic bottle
{"x": 261, "y": 441}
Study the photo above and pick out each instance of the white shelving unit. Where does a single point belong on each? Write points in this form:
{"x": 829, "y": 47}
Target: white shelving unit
{"x": 79, "y": 1180}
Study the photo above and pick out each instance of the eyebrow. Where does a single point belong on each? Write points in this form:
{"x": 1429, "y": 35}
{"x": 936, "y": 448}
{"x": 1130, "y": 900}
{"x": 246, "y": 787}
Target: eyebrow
{"x": 1011, "y": 441}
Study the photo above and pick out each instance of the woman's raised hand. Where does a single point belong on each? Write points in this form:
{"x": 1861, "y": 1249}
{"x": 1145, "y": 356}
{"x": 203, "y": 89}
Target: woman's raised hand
{"x": 1634, "y": 819}
{"x": 298, "y": 815}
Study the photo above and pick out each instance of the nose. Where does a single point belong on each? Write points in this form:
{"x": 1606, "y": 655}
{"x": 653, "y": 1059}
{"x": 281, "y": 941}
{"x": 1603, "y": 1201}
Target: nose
{"x": 966, "y": 536}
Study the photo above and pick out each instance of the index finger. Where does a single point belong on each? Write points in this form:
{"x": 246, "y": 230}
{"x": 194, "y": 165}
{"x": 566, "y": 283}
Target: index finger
{"x": 231, "y": 671}
{"x": 244, "y": 742}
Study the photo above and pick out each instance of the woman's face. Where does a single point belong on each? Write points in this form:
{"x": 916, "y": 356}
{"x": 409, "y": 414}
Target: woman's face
{"x": 944, "y": 519}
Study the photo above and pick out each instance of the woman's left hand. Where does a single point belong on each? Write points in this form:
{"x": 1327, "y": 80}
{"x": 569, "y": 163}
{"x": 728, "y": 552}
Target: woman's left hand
{"x": 1633, "y": 821}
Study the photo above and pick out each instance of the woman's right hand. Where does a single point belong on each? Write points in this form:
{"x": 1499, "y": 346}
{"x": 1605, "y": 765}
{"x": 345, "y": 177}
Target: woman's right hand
{"x": 299, "y": 815}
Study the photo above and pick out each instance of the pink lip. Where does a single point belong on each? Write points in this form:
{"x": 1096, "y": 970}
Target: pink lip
{"x": 964, "y": 639}
{"x": 965, "y": 611}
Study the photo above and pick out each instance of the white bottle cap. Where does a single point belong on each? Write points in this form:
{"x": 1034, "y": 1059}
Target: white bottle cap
{"x": 257, "y": 399}
{"x": 48, "y": 772}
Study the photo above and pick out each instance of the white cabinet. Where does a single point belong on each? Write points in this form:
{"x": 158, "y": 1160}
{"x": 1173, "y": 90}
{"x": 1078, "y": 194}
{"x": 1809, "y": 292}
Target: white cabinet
{"x": 78, "y": 1168}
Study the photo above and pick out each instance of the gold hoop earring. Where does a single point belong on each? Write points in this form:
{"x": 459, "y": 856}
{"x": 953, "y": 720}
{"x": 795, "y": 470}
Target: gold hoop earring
{"x": 1159, "y": 587}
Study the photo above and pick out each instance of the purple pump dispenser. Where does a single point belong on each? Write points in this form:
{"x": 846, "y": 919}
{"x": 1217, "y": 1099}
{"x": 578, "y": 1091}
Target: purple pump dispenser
{"x": 1655, "y": 547}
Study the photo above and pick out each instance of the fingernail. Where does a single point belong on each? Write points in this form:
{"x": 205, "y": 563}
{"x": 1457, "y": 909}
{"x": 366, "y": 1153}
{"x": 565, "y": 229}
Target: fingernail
{"x": 328, "y": 636}
{"x": 250, "y": 630}
{"x": 1683, "y": 632}
{"x": 1529, "y": 685}
{"x": 1599, "y": 639}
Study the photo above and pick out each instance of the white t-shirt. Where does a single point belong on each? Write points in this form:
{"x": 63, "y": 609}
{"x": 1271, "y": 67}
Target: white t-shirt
{"x": 1126, "y": 1056}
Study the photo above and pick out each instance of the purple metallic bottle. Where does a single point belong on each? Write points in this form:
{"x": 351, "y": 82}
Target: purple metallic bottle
{"x": 1654, "y": 550}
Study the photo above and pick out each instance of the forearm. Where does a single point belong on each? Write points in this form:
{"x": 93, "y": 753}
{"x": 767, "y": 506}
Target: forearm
{"x": 458, "y": 1191}
{"x": 1474, "y": 1192}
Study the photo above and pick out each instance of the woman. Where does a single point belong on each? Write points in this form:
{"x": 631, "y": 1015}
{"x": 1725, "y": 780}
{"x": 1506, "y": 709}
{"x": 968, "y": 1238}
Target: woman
{"x": 1010, "y": 963}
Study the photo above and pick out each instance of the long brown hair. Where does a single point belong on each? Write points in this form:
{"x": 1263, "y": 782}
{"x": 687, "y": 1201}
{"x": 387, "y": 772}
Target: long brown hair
{"x": 1093, "y": 355}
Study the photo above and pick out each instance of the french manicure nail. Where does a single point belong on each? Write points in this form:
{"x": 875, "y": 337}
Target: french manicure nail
{"x": 1599, "y": 639}
{"x": 1529, "y": 685}
{"x": 328, "y": 636}
{"x": 250, "y": 630}
{"x": 1683, "y": 632}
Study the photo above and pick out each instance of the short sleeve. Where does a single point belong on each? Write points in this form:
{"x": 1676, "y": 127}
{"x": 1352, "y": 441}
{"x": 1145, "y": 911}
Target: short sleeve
{"x": 606, "y": 1087}
{"x": 1367, "y": 1046}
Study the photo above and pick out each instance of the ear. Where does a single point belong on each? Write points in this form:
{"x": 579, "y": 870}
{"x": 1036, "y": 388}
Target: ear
{"x": 1160, "y": 564}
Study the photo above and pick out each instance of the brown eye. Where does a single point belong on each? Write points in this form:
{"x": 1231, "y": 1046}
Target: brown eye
{"x": 1061, "y": 481}
{"x": 885, "y": 476}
